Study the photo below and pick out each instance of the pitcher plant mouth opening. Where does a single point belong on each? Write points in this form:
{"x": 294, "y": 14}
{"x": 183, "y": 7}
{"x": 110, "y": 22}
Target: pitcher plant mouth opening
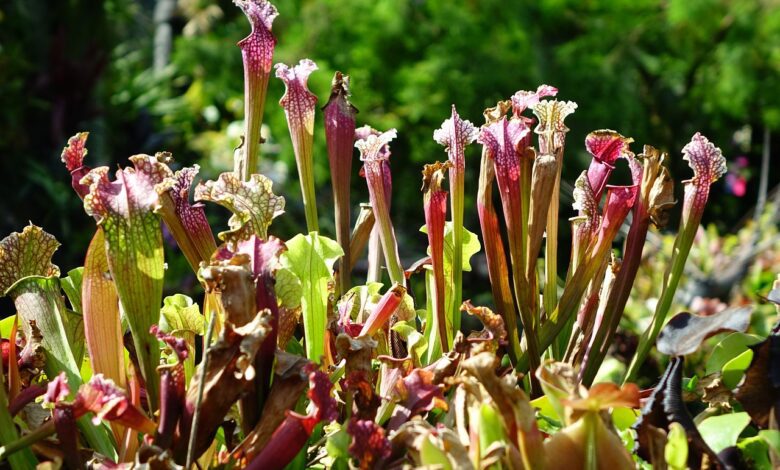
{"x": 202, "y": 330}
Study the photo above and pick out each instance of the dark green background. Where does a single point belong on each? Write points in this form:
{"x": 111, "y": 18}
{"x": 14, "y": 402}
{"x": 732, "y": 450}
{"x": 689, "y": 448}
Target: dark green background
{"x": 654, "y": 70}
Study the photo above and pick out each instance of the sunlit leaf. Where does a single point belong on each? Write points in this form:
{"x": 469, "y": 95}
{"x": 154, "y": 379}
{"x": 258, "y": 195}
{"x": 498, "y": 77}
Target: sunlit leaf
{"x": 252, "y": 202}
{"x": 311, "y": 258}
{"x": 722, "y": 431}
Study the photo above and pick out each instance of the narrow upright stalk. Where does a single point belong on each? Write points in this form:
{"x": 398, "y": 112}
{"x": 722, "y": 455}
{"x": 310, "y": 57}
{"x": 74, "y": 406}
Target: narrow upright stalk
{"x": 340, "y": 135}
{"x": 620, "y": 200}
{"x": 455, "y": 134}
{"x": 655, "y": 198}
{"x": 435, "y": 206}
{"x": 708, "y": 166}
{"x": 257, "y": 52}
{"x": 374, "y": 156}
{"x": 364, "y": 226}
{"x": 496, "y": 255}
{"x": 540, "y": 191}
{"x": 502, "y": 138}
{"x": 299, "y": 103}
{"x": 125, "y": 210}
{"x": 552, "y": 134}
{"x": 186, "y": 222}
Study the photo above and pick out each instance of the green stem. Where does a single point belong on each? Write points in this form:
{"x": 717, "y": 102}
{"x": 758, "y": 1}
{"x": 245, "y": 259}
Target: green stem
{"x": 551, "y": 248}
{"x": 619, "y": 295}
{"x": 682, "y": 247}
{"x": 24, "y": 442}
{"x": 201, "y": 387}
{"x": 457, "y": 249}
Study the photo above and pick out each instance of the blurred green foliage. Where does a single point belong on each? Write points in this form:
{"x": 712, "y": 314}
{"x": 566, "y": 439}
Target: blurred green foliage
{"x": 656, "y": 70}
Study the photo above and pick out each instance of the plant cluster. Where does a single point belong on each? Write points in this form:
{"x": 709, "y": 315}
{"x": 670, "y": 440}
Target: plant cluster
{"x": 299, "y": 367}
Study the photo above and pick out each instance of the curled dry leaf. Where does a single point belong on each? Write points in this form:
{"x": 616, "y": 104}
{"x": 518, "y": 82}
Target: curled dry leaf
{"x": 664, "y": 407}
{"x": 685, "y": 332}
{"x": 229, "y": 375}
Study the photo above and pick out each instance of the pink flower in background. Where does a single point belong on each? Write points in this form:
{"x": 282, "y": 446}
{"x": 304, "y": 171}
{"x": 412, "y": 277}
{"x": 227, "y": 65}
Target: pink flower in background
{"x": 736, "y": 184}
{"x": 737, "y": 177}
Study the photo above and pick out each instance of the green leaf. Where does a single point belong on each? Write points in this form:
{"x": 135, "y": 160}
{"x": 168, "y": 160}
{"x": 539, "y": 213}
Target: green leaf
{"x": 676, "y": 450}
{"x": 734, "y": 370}
{"x": 546, "y": 408}
{"x": 180, "y": 314}
{"x": 728, "y": 348}
{"x": 6, "y": 325}
{"x": 755, "y": 452}
{"x": 73, "y": 319}
{"x": 181, "y": 317}
{"x": 288, "y": 289}
{"x": 311, "y": 258}
{"x": 471, "y": 245}
{"x": 624, "y": 418}
{"x": 723, "y": 431}
{"x": 772, "y": 438}
{"x": 491, "y": 427}
{"x": 71, "y": 285}
{"x": 415, "y": 341}
{"x": 337, "y": 444}
{"x": 433, "y": 457}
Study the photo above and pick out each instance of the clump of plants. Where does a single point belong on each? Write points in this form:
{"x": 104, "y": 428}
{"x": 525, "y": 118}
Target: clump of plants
{"x": 289, "y": 360}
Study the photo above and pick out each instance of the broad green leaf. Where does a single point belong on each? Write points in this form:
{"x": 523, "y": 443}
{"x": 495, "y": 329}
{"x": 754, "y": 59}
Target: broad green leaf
{"x": 755, "y": 452}
{"x": 363, "y": 299}
{"x": 689, "y": 384}
{"x": 337, "y": 444}
{"x": 74, "y": 330}
{"x": 491, "y": 427}
{"x": 471, "y": 245}
{"x": 624, "y": 417}
{"x": 772, "y": 438}
{"x": 181, "y": 317}
{"x": 73, "y": 319}
{"x": 288, "y": 288}
{"x": 6, "y": 325}
{"x": 431, "y": 330}
{"x": 728, "y": 348}
{"x": 180, "y": 314}
{"x": 311, "y": 258}
{"x": 734, "y": 370}
{"x": 545, "y": 407}
{"x": 676, "y": 450}
{"x": 433, "y": 457}
{"x": 723, "y": 431}
{"x": 415, "y": 341}
{"x": 71, "y": 285}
